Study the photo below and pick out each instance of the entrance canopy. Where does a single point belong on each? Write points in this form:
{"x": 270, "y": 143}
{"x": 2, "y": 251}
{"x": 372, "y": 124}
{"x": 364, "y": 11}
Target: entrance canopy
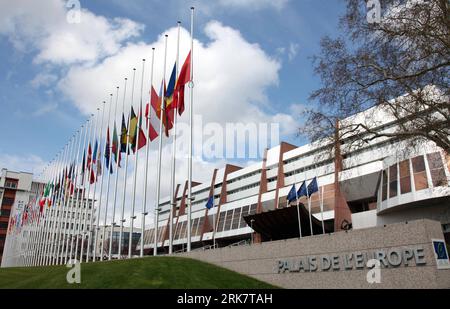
{"x": 282, "y": 223}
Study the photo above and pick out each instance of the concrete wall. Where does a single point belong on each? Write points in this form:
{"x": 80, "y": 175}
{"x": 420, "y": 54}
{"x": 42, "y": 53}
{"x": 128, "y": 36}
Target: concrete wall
{"x": 261, "y": 260}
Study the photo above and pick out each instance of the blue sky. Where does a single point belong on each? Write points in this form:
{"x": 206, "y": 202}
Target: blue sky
{"x": 38, "y": 116}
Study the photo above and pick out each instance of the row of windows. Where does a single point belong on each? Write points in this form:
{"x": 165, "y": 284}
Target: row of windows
{"x": 244, "y": 188}
{"x": 228, "y": 220}
{"x": 417, "y": 175}
{"x": 243, "y": 177}
{"x": 233, "y": 218}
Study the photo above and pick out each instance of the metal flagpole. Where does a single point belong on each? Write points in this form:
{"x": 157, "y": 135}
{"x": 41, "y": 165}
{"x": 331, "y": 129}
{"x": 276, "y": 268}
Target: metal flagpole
{"x": 298, "y": 204}
{"x": 54, "y": 212}
{"x": 87, "y": 203}
{"x": 321, "y": 210}
{"x": 65, "y": 200}
{"x": 85, "y": 179}
{"x": 61, "y": 209}
{"x": 144, "y": 201}
{"x": 309, "y": 207}
{"x": 99, "y": 161}
{"x": 42, "y": 220}
{"x": 127, "y": 150}
{"x": 69, "y": 201}
{"x": 35, "y": 227}
{"x": 107, "y": 182}
{"x": 73, "y": 199}
{"x": 117, "y": 156}
{"x": 191, "y": 122}
{"x": 91, "y": 221}
{"x": 158, "y": 179}
{"x": 173, "y": 199}
{"x": 36, "y": 222}
{"x": 132, "y": 217}
{"x": 46, "y": 211}
{"x": 52, "y": 230}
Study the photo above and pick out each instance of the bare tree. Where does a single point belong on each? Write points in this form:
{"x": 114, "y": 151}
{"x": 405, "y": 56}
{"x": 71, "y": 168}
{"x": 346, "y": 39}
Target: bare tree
{"x": 399, "y": 64}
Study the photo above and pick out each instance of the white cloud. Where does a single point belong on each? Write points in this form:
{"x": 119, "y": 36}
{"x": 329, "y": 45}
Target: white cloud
{"x": 43, "y": 80}
{"x": 255, "y": 4}
{"x": 22, "y": 163}
{"x": 43, "y": 26}
{"x": 293, "y": 51}
{"x": 232, "y": 76}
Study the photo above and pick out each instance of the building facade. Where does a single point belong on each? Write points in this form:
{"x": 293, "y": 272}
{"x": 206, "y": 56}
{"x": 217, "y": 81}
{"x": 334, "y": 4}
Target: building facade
{"x": 45, "y": 234}
{"x": 385, "y": 180}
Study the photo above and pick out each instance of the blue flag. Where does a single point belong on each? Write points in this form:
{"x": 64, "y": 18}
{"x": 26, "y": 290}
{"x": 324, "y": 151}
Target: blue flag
{"x": 313, "y": 187}
{"x": 210, "y": 203}
{"x": 302, "y": 190}
{"x": 292, "y": 195}
{"x": 94, "y": 155}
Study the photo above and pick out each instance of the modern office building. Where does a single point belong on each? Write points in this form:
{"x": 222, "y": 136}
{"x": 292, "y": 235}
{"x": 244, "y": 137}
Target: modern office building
{"x": 383, "y": 181}
{"x": 16, "y": 190}
{"x": 38, "y": 240}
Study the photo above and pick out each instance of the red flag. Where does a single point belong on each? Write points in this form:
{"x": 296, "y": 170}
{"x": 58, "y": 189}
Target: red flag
{"x": 89, "y": 158}
{"x": 92, "y": 180}
{"x": 142, "y": 137}
{"x": 183, "y": 79}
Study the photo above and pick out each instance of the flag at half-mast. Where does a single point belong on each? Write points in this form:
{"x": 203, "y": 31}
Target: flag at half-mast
{"x": 115, "y": 146}
{"x": 135, "y": 129}
{"x": 123, "y": 136}
{"x": 107, "y": 153}
{"x": 151, "y": 120}
{"x": 183, "y": 79}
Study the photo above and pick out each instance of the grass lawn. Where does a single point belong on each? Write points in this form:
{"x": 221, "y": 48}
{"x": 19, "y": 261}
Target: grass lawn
{"x": 150, "y": 272}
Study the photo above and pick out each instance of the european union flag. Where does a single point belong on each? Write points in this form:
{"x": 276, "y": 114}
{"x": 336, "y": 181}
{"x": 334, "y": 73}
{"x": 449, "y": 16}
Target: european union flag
{"x": 302, "y": 191}
{"x": 210, "y": 203}
{"x": 313, "y": 187}
{"x": 292, "y": 195}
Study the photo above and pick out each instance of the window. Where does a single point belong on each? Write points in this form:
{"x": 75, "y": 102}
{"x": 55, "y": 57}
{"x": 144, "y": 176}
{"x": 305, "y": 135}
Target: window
{"x": 3, "y": 225}
{"x": 228, "y": 219}
{"x": 384, "y": 187}
{"x": 420, "y": 175}
{"x": 245, "y": 210}
{"x": 194, "y": 226}
{"x": 393, "y": 181}
{"x": 405, "y": 177}
{"x": 221, "y": 221}
{"x": 436, "y": 169}
{"x": 253, "y": 209}
{"x": 236, "y": 217}
{"x": 200, "y": 226}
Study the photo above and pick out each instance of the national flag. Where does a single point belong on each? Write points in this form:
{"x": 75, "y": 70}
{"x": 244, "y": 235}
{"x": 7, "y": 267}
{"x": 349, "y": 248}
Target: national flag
{"x": 94, "y": 155}
{"x": 313, "y": 187}
{"x": 302, "y": 190}
{"x": 115, "y": 146}
{"x": 151, "y": 120}
{"x": 167, "y": 118}
{"x": 89, "y": 157}
{"x": 210, "y": 203}
{"x": 155, "y": 101}
{"x": 168, "y": 98}
{"x": 132, "y": 128}
{"x": 183, "y": 79}
{"x": 142, "y": 138}
{"x": 83, "y": 167}
{"x": 123, "y": 136}
{"x": 99, "y": 163}
{"x": 92, "y": 177}
{"x": 292, "y": 195}
{"x": 107, "y": 149}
